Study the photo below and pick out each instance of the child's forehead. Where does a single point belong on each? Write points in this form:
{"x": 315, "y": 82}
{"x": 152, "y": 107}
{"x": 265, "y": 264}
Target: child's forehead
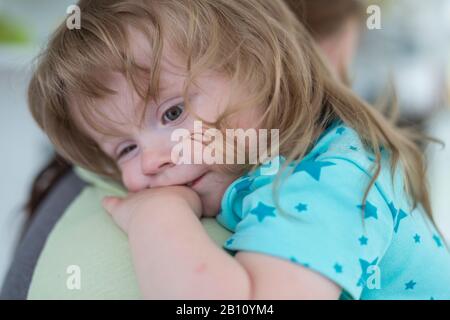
{"x": 126, "y": 93}
{"x": 142, "y": 53}
{"x": 172, "y": 64}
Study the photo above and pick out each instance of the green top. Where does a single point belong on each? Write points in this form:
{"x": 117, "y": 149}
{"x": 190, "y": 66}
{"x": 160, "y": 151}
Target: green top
{"x": 86, "y": 237}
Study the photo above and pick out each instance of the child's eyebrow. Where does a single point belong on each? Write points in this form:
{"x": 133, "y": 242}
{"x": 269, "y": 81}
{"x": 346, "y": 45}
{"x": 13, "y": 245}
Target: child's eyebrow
{"x": 166, "y": 90}
{"x": 106, "y": 139}
{"x": 165, "y": 94}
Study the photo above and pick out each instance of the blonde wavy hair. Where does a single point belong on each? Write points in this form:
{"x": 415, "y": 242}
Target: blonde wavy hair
{"x": 257, "y": 42}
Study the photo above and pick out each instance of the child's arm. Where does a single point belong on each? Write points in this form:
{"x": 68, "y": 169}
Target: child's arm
{"x": 174, "y": 257}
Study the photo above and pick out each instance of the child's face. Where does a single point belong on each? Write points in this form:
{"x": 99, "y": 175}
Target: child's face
{"x": 143, "y": 151}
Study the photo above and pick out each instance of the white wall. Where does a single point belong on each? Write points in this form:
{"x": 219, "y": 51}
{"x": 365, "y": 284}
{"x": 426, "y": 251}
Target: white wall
{"x": 23, "y": 148}
{"x": 439, "y": 170}
{"x": 23, "y": 152}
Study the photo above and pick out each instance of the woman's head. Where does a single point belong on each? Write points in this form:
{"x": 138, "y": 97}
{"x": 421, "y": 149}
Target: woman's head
{"x": 100, "y": 92}
{"x": 335, "y": 25}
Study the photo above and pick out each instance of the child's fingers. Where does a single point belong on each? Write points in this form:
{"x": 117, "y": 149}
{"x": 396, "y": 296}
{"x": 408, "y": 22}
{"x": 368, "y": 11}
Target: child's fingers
{"x": 110, "y": 203}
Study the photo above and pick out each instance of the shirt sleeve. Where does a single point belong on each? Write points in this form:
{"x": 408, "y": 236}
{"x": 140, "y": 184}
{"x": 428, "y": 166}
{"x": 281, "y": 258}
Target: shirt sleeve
{"x": 321, "y": 224}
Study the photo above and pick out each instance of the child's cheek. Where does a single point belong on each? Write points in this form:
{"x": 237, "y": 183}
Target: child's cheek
{"x": 132, "y": 176}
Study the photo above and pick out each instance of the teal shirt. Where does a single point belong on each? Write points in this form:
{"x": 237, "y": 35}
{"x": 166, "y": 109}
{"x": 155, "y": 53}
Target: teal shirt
{"x": 389, "y": 251}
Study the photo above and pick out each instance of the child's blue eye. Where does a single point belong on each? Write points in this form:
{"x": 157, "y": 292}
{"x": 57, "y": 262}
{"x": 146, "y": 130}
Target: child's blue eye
{"x": 126, "y": 150}
{"x": 173, "y": 113}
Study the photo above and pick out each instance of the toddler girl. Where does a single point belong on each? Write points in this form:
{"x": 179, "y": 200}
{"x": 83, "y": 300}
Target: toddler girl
{"x": 346, "y": 214}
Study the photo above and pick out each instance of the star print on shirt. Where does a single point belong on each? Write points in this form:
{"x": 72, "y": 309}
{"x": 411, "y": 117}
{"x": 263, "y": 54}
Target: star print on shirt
{"x": 301, "y": 207}
{"x": 340, "y": 130}
{"x": 370, "y": 211}
{"x": 417, "y": 238}
{"x": 313, "y": 168}
{"x": 363, "y": 240}
{"x": 410, "y": 285}
{"x": 397, "y": 215}
{"x": 263, "y": 211}
{"x": 338, "y": 268}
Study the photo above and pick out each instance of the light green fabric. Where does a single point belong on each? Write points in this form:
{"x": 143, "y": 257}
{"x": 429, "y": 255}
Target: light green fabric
{"x": 86, "y": 237}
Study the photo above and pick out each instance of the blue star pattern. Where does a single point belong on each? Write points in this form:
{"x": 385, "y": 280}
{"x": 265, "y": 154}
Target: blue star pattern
{"x": 338, "y": 268}
{"x": 301, "y": 207}
{"x": 363, "y": 240}
{"x": 313, "y": 168}
{"x": 340, "y": 130}
{"x": 395, "y": 249}
{"x": 397, "y": 215}
{"x": 370, "y": 211}
{"x": 263, "y": 211}
{"x": 410, "y": 285}
{"x": 401, "y": 215}
{"x": 393, "y": 210}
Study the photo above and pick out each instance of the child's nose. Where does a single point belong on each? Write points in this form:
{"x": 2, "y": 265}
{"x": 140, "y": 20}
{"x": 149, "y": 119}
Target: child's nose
{"x": 153, "y": 163}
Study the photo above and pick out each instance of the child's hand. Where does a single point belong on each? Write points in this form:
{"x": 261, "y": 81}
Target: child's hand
{"x": 149, "y": 202}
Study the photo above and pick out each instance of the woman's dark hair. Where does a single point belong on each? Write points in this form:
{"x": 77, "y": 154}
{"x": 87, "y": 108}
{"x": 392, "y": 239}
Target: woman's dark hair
{"x": 324, "y": 17}
{"x": 44, "y": 182}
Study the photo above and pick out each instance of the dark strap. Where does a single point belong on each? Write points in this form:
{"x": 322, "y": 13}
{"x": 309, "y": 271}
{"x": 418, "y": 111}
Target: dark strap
{"x": 18, "y": 278}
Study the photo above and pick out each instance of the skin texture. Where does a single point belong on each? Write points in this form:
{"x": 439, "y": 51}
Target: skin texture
{"x": 174, "y": 258}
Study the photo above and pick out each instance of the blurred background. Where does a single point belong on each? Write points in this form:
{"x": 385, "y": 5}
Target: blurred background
{"x": 410, "y": 51}
{"x": 24, "y": 28}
